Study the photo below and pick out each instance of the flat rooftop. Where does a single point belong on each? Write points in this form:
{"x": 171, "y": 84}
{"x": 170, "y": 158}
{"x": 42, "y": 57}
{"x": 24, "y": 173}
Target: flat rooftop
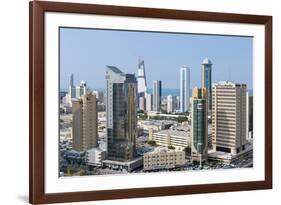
{"x": 122, "y": 163}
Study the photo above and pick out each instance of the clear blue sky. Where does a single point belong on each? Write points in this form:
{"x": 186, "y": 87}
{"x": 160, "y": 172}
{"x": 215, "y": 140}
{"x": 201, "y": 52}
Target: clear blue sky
{"x": 86, "y": 52}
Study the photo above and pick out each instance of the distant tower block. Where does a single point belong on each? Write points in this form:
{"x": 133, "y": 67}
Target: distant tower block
{"x": 142, "y": 88}
{"x": 157, "y": 94}
{"x": 71, "y": 89}
{"x": 142, "y": 103}
{"x": 184, "y": 88}
{"x": 207, "y": 80}
{"x": 148, "y": 102}
{"x": 171, "y": 101}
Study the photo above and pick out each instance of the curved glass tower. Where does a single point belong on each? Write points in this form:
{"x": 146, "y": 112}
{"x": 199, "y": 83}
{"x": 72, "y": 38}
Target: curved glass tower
{"x": 207, "y": 80}
{"x": 142, "y": 88}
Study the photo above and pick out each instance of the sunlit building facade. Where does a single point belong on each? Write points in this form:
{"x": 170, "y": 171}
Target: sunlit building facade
{"x": 207, "y": 80}
{"x": 84, "y": 122}
{"x": 184, "y": 88}
{"x": 229, "y": 117}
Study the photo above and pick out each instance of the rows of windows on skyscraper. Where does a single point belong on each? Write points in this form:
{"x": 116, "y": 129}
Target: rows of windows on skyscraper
{"x": 127, "y": 93}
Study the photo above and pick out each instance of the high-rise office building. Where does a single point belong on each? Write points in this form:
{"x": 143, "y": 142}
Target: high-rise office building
{"x": 142, "y": 103}
{"x": 171, "y": 102}
{"x": 148, "y": 100}
{"x": 157, "y": 94}
{"x": 81, "y": 89}
{"x": 142, "y": 87}
{"x": 76, "y": 91}
{"x": 71, "y": 90}
{"x": 229, "y": 117}
{"x": 249, "y": 116}
{"x": 84, "y": 122}
{"x": 71, "y": 87}
{"x": 250, "y": 108}
{"x": 121, "y": 114}
{"x": 71, "y": 80}
{"x": 199, "y": 131}
{"x": 99, "y": 95}
{"x": 184, "y": 88}
{"x": 177, "y": 103}
{"x": 207, "y": 80}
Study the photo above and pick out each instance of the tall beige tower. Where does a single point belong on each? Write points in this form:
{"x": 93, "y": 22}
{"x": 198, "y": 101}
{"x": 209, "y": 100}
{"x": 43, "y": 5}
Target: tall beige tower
{"x": 229, "y": 117}
{"x": 84, "y": 122}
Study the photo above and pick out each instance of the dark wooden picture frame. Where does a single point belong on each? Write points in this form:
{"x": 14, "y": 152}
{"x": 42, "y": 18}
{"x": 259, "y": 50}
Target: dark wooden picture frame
{"x": 37, "y": 97}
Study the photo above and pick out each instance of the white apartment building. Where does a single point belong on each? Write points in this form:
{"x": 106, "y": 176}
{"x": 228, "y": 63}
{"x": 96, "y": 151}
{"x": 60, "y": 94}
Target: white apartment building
{"x": 148, "y": 102}
{"x": 171, "y": 103}
{"x": 95, "y": 156}
{"x": 142, "y": 103}
{"x": 177, "y": 137}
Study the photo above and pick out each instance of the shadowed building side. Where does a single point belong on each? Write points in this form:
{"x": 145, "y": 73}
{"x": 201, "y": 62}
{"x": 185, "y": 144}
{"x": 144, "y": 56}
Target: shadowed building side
{"x": 157, "y": 94}
{"x": 121, "y": 111}
{"x": 199, "y": 133}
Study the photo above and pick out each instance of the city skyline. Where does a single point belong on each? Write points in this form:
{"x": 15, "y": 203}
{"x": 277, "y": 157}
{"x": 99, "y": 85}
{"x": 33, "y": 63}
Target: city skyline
{"x": 133, "y": 126}
{"x": 230, "y": 56}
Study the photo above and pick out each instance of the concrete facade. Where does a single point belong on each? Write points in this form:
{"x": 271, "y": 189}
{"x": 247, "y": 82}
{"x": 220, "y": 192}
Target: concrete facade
{"x": 229, "y": 117}
{"x": 84, "y": 122}
{"x": 163, "y": 158}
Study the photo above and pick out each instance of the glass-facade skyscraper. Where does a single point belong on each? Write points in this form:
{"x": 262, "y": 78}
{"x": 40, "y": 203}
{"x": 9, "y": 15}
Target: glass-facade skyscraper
{"x": 121, "y": 114}
{"x": 199, "y": 147}
{"x": 81, "y": 89}
{"x": 184, "y": 88}
{"x": 207, "y": 80}
{"x": 142, "y": 88}
{"x": 157, "y": 94}
{"x": 71, "y": 86}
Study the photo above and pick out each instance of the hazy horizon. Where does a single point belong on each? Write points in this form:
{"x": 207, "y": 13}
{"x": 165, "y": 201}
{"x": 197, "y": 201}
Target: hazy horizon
{"x": 86, "y": 52}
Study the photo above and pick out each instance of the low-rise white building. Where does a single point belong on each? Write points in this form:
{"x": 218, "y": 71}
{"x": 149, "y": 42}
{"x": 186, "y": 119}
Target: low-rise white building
{"x": 95, "y": 156}
{"x": 163, "y": 158}
{"x": 178, "y": 137}
{"x": 155, "y": 125}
